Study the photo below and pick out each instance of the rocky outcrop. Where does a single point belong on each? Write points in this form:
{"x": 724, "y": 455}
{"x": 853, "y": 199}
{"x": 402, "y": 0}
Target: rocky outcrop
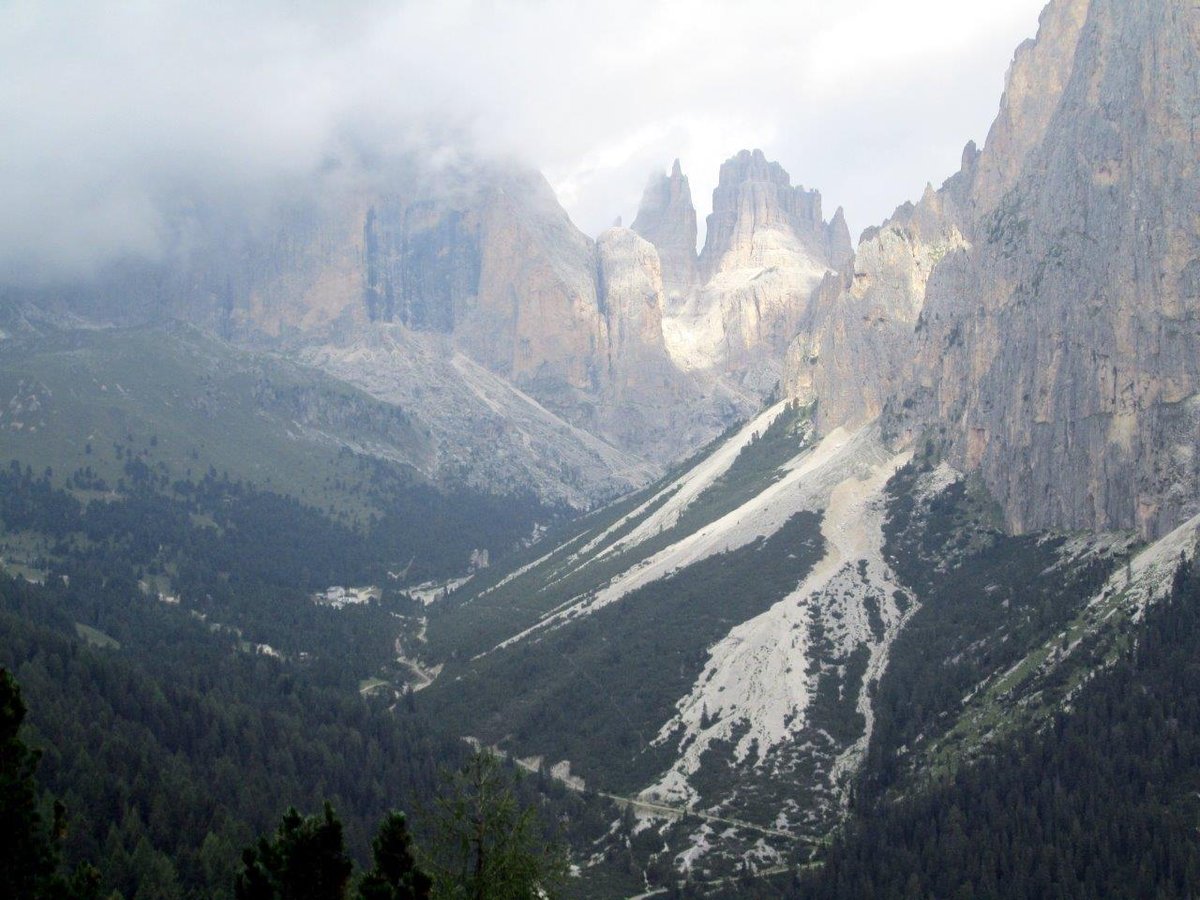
{"x": 631, "y": 287}
{"x": 488, "y": 255}
{"x": 767, "y": 250}
{"x": 650, "y": 403}
{"x": 759, "y": 220}
{"x": 667, "y": 219}
{"x": 1055, "y": 346}
{"x": 1034, "y": 87}
{"x": 856, "y": 349}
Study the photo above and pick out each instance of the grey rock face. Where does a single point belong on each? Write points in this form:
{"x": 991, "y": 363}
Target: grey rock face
{"x": 1037, "y": 77}
{"x": 1086, "y": 358}
{"x": 1055, "y": 347}
{"x": 650, "y": 404}
{"x": 754, "y": 198}
{"x": 501, "y": 269}
{"x": 631, "y": 285}
{"x": 667, "y": 219}
{"x": 422, "y": 265}
{"x": 856, "y": 349}
{"x": 767, "y": 250}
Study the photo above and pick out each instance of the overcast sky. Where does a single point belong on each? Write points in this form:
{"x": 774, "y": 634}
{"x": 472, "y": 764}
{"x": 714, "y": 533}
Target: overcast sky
{"x": 109, "y": 109}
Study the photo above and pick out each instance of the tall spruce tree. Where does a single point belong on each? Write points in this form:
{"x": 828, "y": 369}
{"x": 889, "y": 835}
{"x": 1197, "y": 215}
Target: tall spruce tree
{"x": 305, "y": 860}
{"x": 488, "y": 847}
{"x": 27, "y": 851}
{"x": 395, "y": 874}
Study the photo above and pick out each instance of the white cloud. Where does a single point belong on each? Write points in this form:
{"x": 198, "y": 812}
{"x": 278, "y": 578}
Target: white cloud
{"x": 109, "y": 109}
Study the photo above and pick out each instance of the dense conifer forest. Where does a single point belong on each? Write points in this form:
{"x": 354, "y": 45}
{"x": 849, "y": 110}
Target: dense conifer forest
{"x": 1103, "y": 801}
{"x": 176, "y": 731}
{"x": 169, "y": 735}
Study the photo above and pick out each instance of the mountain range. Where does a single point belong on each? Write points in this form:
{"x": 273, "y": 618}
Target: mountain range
{"x": 802, "y": 520}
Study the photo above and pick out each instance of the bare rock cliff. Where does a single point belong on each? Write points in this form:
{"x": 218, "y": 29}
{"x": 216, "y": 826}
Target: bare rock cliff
{"x": 667, "y": 219}
{"x": 650, "y": 403}
{"x": 759, "y": 220}
{"x": 855, "y": 350}
{"x": 1049, "y": 320}
{"x": 1081, "y": 342}
{"x": 767, "y": 250}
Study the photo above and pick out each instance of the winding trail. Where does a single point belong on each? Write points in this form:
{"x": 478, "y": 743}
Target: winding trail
{"x": 681, "y": 812}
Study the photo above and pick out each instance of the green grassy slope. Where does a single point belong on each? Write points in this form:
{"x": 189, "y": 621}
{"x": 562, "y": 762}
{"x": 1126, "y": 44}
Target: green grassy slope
{"x": 183, "y": 402}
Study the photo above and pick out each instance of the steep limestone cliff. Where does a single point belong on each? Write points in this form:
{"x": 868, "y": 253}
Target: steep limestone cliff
{"x": 855, "y": 350}
{"x": 667, "y": 219}
{"x": 1055, "y": 348}
{"x": 1082, "y": 343}
{"x": 1034, "y": 87}
{"x": 650, "y": 403}
{"x": 759, "y": 220}
{"x": 485, "y": 255}
{"x": 767, "y": 250}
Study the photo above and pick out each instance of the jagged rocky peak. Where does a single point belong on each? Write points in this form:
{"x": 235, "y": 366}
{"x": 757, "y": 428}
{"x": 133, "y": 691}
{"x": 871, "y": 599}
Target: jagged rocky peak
{"x": 768, "y": 248}
{"x": 485, "y": 256}
{"x": 855, "y": 350}
{"x": 841, "y": 248}
{"x": 667, "y": 219}
{"x": 760, "y": 220}
{"x": 1037, "y": 77}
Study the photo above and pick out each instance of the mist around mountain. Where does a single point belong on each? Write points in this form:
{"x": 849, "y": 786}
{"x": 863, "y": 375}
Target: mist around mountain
{"x": 781, "y": 565}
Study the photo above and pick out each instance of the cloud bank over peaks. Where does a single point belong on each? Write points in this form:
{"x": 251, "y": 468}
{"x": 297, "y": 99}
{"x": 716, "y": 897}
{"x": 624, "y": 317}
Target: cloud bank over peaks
{"x": 122, "y": 119}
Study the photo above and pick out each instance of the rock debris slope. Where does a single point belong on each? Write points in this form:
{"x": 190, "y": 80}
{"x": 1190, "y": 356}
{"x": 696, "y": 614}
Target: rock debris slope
{"x": 758, "y": 683}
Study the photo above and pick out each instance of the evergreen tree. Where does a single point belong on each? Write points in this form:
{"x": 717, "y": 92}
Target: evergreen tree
{"x": 27, "y": 852}
{"x": 28, "y": 849}
{"x": 488, "y": 847}
{"x": 395, "y": 875}
{"x": 306, "y": 860}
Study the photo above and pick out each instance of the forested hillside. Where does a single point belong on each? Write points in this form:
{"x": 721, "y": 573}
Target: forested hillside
{"x": 185, "y": 688}
{"x": 1101, "y": 802}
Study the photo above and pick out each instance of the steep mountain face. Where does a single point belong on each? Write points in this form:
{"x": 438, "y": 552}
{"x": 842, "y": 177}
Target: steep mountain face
{"x": 487, "y": 257}
{"x": 759, "y": 220}
{"x": 489, "y": 242}
{"x": 727, "y": 650}
{"x": 1084, "y": 361}
{"x": 1046, "y": 295}
{"x": 766, "y": 251}
{"x": 651, "y": 404}
{"x": 667, "y": 219}
{"x": 855, "y": 349}
{"x": 633, "y": 338}
{"x": 472, "y": 260}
